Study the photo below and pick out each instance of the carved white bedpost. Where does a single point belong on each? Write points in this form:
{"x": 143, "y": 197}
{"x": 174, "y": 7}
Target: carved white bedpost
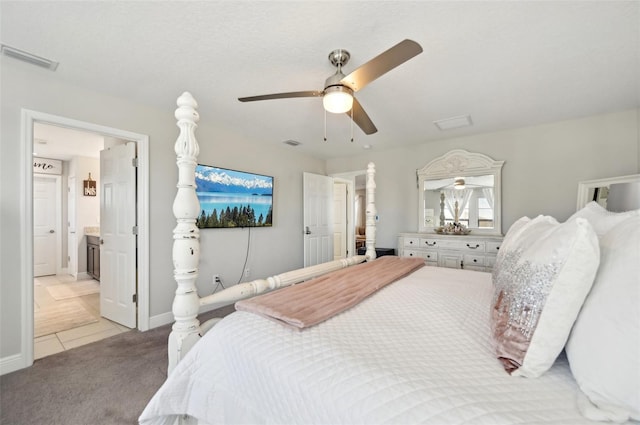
{"x": 186, "y": 236}
{"x": 370, "y": 230}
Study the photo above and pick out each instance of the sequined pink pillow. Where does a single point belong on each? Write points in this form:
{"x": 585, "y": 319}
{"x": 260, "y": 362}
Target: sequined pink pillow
{"x": 541, "y": 279}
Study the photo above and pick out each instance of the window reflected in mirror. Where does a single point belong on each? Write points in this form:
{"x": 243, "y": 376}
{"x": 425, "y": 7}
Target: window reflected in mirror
{"x": 466, "y": 200}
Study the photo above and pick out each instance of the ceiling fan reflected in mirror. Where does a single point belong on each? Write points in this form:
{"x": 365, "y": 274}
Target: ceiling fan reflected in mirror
{"x": 338, "y": 92}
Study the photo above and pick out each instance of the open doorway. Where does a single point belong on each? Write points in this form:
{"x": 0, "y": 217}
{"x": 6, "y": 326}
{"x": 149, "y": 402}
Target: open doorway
{"x": 355, "y": 206}
{"x": 66, "y": 243}
{"x": 31, "y": 121}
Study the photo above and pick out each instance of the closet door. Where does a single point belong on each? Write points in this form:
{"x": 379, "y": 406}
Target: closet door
{"x": 318, "y": 219}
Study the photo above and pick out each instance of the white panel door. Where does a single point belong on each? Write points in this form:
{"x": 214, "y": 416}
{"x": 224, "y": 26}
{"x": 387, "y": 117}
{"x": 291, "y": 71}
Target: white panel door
{"x": 318, "y": 219}
{"x": 339, "y": 221}
{"x": 45, "y": 226}
{"x": 117, "y": 239}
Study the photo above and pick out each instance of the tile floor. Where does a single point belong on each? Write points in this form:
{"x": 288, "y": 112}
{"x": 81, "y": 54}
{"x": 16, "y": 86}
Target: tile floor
{"x": 66, "y": 340}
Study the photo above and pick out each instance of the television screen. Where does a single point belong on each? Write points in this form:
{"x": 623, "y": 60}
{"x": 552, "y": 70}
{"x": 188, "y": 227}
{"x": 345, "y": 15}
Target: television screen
{"x": 230, "y": 198}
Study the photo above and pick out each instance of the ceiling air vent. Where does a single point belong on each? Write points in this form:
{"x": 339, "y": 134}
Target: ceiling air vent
{"x": 454, "y": 122}
{"x": 291, "y": 143}
{"x": 12, "y": 52}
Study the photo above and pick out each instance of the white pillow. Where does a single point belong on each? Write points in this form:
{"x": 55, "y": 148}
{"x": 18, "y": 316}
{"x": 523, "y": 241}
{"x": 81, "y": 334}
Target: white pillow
{"x": 601, "y": 219}
{"x": 512, "y": 235}
{"x": 604, "y": 345}
{"x": 543, "y": 277}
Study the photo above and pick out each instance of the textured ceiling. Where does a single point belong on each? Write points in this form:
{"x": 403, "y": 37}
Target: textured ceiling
{"x": 507, "y": 64}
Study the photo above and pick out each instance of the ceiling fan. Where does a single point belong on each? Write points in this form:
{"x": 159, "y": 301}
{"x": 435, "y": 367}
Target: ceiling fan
{"x": 337, "y": 95}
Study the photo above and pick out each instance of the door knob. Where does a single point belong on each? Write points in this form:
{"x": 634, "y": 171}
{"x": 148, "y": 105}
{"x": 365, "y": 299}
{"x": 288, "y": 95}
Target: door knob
{"x": 101, "y": 241}
{"x": 307, "y": 231}
{"x": 51, "y": 231}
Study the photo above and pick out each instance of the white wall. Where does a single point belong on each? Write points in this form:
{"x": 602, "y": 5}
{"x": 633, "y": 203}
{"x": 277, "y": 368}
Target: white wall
{"x": 273, "y": 250}
{"x": 543, "y": 165}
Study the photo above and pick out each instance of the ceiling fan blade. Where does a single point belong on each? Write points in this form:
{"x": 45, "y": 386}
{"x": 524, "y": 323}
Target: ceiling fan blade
{"x": 281, "y": 96}
{"x": 381, "y": 64}
{"x": 361, "y": 118}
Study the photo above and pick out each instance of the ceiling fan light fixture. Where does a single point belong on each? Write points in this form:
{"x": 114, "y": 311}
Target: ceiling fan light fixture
{"x": 459, "y": 183}
{"x": 338, "y": 99}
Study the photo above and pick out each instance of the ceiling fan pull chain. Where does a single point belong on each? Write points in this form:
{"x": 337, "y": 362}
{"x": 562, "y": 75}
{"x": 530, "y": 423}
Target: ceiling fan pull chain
{"x": 325, "y": 125}
{"x": 351, "y": 125}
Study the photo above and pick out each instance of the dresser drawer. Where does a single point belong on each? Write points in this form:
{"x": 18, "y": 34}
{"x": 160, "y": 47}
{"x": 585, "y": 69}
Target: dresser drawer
{"x": 475, "y": 246}
{"x": 430, "y": 243}
{"x": 411, "y": 242}
{"x": 473, "y": 260}
{"x": 493, "y": 247}
{"x": 411, "y": 253}
{"x": 430, "y": 256}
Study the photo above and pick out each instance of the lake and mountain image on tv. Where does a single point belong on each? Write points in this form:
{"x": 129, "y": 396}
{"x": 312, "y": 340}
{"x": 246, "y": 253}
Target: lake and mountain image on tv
{"x": 230, "y": 198}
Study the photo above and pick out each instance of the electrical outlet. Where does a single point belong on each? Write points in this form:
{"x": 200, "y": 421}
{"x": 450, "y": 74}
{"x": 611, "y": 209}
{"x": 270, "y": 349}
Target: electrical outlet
{"x": 216, "y": 279}
{"x": 247, "y": 272}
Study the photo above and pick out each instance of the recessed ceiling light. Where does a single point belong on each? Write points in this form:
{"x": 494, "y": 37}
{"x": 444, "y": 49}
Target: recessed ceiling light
{"x": 454, "y": 122}
{"x": 366, "y": 146}
{"x": 28, "y": 57}
{"x": 291, "y": 143}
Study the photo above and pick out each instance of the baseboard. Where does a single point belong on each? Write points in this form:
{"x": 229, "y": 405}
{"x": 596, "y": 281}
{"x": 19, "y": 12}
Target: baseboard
{"x": 160, "y": 320}
{"x": 12, "y": 363}
{"x": 167, "y": 318}
{"x": 83, "y": 276}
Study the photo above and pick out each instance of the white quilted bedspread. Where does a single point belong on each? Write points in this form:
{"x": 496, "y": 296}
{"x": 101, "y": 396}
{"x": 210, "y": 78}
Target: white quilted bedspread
{"x": 418, "y": 351}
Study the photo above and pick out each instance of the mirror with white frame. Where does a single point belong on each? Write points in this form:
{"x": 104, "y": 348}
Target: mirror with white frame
{"x": 615, "y": 194}
{"x": 461, "y": 187}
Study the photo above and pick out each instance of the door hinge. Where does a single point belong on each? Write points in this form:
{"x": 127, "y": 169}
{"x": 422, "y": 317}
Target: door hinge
{"x": 134, "y": 230}
{"x": 135, "y": 162}
{"x": 134, "y": 298}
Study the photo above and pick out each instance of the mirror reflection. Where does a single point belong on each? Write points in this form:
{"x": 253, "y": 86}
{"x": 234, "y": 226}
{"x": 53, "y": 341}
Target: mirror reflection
{"x": 459, "y": 193}
{"x": 465, "y": 200}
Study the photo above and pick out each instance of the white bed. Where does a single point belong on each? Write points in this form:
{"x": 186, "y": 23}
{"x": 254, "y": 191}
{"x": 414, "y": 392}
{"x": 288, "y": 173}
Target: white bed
{"x": 418, "y": 351}
{"x": 422, "y": 349}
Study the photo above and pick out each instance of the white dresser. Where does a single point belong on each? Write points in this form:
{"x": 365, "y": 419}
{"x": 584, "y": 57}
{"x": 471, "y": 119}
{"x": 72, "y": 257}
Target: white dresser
{"x": 472, "y": 252}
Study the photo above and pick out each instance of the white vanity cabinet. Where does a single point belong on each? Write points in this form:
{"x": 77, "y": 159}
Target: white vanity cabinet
{"x": 471, "y": 252}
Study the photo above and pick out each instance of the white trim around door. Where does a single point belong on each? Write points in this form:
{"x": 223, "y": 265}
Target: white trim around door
{"x": 29, "y": 117}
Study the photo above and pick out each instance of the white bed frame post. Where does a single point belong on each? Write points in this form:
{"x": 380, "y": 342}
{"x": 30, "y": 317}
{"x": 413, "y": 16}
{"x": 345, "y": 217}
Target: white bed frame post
{"x": 187, "y": 330}
{"x": 371, "y": 213}
{"x": 186, "y": 236}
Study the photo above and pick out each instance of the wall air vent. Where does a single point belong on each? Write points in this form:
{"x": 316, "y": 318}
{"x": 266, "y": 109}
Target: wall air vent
{"x": 12, "y": 52}
{"x": 291, "y": 143}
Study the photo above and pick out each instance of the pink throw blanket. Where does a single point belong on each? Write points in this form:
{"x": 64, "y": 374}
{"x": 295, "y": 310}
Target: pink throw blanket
{"x": 309, "y": 303}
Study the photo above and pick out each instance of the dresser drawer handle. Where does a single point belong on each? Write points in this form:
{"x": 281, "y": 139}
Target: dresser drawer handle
{"x": 473, "y": 247}
{"x": 410, "y": 242}
{"x": 430, "y": 244}
{"x": 475, "y": 260}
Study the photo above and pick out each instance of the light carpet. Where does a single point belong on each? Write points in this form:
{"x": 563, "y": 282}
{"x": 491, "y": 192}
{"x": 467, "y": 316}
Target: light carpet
{"x": 73, "y": 289}
{"x": 62, "y": 315}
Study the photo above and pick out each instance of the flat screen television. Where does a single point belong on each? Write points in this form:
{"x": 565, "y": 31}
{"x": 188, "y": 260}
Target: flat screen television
{"x": 230, "y": 198}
